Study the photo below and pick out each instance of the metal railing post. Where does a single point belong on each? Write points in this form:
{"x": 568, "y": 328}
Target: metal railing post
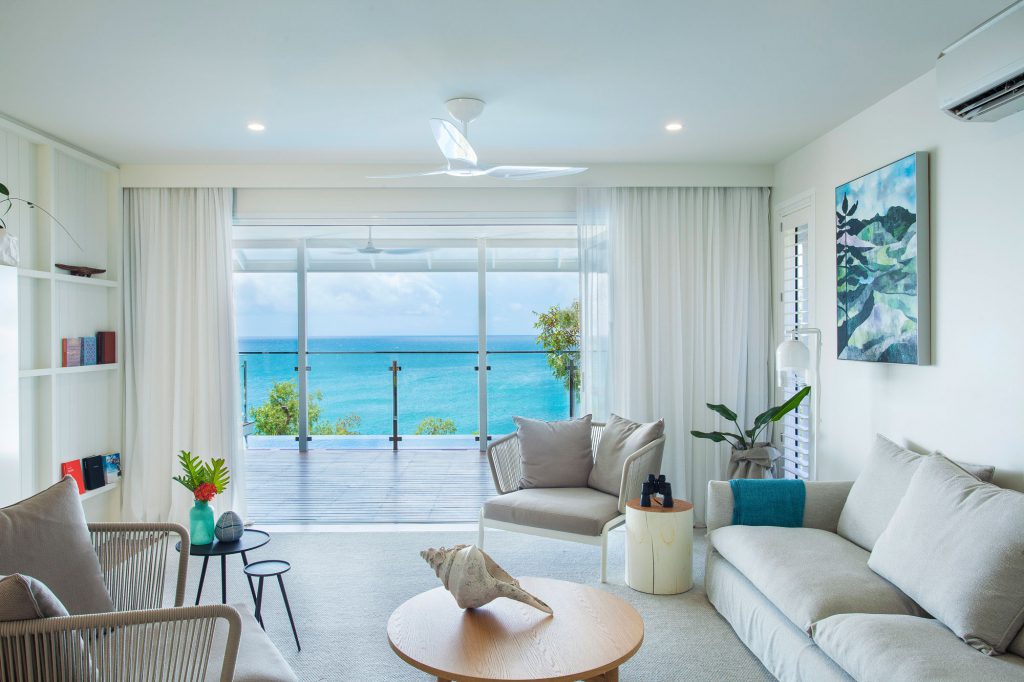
{"x": 245, "y": 390}
{"x": 572, "y": 388}
{"x": 394, "y": 369}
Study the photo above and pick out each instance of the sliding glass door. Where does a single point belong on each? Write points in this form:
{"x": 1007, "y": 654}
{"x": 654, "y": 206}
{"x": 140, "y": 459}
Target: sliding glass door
{"x": 406, "y": 337}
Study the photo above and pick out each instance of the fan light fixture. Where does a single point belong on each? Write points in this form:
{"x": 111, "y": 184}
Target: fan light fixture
{"x": 461, "y": 158}
{"x": 674, "y": 127}
{"x": 256, "y": 127}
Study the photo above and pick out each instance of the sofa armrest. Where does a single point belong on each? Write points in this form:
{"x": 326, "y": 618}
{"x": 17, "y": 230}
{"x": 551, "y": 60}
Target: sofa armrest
{"x": 636, "y": 468}
{"x": 506, "y": 463}
{"x": 163, "y": 645}
{"x": 133, "y": 557}
{"x": 825, "y": 500}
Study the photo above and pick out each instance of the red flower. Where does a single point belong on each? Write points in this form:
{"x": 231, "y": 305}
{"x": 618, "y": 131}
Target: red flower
{"x": 205, "y": 492}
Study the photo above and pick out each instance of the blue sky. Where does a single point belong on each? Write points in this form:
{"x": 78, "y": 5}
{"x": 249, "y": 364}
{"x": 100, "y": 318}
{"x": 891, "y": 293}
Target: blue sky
{"x": 397, "y": 304}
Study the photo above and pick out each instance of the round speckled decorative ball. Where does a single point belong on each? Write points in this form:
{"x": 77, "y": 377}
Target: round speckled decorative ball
{"x": 229, "y": 527}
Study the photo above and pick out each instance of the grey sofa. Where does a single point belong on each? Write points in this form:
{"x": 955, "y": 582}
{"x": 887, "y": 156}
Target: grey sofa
{"x": 785, "y": 590}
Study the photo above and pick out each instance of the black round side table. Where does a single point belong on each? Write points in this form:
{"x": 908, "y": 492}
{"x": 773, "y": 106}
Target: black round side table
{"x": 266, "y": 569}
{"x": 250, "y": 540}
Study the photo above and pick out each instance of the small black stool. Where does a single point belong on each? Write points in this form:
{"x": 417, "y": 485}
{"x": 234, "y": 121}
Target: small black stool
{"x": 266, "y": 569}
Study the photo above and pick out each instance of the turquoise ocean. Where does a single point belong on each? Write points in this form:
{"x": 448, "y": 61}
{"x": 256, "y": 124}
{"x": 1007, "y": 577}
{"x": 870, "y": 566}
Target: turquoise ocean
{"x": 437, "y": 379}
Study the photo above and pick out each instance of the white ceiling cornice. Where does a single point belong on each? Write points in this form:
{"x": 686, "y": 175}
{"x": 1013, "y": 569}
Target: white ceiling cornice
{"x": 333, "y": 175}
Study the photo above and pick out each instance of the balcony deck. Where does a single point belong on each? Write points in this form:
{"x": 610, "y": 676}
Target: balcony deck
{"x": 325, "y": 487}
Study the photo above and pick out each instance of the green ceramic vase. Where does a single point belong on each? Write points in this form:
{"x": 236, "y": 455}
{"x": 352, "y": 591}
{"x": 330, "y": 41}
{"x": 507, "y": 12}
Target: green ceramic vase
{"x": 201, "y": 523}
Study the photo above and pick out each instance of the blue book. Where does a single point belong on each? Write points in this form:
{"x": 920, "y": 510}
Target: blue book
{"x": 112, "y": 466}
{"x": 88, "y": 350}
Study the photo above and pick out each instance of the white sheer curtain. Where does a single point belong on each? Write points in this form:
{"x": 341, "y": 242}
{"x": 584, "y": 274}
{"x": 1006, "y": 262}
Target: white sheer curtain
{"x": 181, "y": 368}
{"x": 676, "y": 306}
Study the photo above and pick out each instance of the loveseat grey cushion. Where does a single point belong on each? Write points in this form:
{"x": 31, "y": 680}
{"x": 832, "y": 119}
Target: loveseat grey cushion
{"x": 258, "y": 659}
{"x": 879, "y": 488}
{"x": 45, "y": 536}
{"x": 583, "y": 511}
{"x": 809, "y": 574}
{"x": 620, "y": 439}
{"x": 555, "y": 454}
{"x": 956, "y": 546}
{"x": 25, "y": 598}
{"x": 879, "y": 648}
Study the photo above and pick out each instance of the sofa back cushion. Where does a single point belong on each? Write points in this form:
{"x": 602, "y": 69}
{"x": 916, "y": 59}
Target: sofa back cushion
{"x": 956, "y": 546}
{"x": 45, "y": 536}
{"x": 878, "y": 490}
{"x": 555, "y": 454}
{"x": 620, "y": 439}
{"x": 25, "y": 598}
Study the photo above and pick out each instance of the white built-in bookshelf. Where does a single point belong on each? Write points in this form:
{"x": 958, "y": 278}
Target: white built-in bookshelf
{"x": 65, "y": 412}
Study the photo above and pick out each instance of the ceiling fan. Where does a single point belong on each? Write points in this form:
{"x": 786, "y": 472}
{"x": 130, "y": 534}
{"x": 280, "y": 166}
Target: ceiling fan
{"x": 461, "y": 157}
{"x": 371, "y": 250}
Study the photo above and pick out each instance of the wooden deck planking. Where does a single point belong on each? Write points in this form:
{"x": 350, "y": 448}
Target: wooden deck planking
{"x": 366, "y": 486}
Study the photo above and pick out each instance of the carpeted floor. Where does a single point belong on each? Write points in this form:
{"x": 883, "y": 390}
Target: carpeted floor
{"x": 343, "y": 587}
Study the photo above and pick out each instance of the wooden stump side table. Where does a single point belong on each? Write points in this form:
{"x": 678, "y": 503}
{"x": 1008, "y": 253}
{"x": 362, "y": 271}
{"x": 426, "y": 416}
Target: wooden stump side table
{"x": 659, "y": 547}
{"x": 591, "y": 633}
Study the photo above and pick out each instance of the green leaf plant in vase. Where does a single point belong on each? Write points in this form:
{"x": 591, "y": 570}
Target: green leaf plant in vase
{"x": 751, "y": 457}
{"x": 204, "y": 480}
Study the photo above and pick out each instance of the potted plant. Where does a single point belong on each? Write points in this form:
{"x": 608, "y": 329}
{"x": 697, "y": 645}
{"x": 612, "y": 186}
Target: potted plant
{"x": 751, "y": 457}
{"x": 204, "y": 480}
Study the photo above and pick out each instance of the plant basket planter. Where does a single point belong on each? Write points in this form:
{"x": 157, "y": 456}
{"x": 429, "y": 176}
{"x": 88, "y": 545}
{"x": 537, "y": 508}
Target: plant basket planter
{"x": 755, "y": 462}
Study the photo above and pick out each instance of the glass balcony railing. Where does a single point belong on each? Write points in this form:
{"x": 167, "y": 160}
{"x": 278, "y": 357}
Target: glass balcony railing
{"x": 371, "y": 399}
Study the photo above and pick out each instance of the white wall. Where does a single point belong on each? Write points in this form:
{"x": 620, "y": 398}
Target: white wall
{"x": 969, "y": 403}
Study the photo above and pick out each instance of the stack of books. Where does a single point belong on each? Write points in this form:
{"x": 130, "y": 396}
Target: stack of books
{"x": 93, "y": 472}
{"x": 89, "y": 350}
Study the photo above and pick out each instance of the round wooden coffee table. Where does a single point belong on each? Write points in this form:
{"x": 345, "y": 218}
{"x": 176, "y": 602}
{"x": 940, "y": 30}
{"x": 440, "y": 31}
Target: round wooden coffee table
{"x": 591, "y": 634}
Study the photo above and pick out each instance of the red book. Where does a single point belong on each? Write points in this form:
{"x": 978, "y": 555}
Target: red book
{"x": 74, "y": 470}
{"x": 106, "y": 348}
{"x": 63, "y": 352}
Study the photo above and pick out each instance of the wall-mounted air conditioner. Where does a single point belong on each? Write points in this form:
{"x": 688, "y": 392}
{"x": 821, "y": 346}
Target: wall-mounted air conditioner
{"x": 981, "y": 76}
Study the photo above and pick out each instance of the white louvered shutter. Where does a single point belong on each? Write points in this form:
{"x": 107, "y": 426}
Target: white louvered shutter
{"x": 795, "y": 431}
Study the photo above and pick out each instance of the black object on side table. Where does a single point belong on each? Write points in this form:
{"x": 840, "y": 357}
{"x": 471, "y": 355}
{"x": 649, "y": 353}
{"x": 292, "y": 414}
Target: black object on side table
{"x": 250, "y": 540}
{"x": 266, "y": 569}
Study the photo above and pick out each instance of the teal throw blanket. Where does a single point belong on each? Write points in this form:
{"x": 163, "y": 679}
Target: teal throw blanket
{"x": 768, "y": 502}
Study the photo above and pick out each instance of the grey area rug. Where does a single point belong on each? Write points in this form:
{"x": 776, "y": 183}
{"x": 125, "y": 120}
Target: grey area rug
{"x": 343, "y": 587}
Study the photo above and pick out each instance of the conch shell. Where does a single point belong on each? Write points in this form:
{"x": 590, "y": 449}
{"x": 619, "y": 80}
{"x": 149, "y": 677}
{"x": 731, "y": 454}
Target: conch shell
{"x": 474, "y": 579}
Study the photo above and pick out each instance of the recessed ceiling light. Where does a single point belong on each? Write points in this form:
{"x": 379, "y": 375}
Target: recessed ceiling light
{"x": 674, "y": 127}
{"x": 256, "y": 127}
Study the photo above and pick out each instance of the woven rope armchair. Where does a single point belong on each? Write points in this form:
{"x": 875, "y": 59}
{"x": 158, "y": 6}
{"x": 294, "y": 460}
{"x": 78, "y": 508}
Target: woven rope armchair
{"x": 140, "y": 640}
{"x": 506, "y": 470}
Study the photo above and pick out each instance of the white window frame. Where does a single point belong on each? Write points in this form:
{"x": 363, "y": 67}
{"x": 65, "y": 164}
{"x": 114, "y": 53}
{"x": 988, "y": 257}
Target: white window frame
{"x": 794, "y": 224}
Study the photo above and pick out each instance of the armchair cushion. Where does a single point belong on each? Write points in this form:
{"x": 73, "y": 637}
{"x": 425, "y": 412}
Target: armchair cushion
{"x": 25, "y": 598}
{"x": 620, "y": 439}
{"x": 555, "y": 454}
{"x": 45, "y": 536}
{"x": 258, "y": 659}
{"x": 582, "y": 511}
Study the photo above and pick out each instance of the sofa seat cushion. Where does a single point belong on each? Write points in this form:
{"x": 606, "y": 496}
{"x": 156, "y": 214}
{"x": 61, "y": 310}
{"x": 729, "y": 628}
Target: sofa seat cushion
{"x": 582, "y": 511}
{"x": 885, "y": 648}
{"x": 45, "y": 536}
{"x": 810, "y": 574}
{"x": 258, "y": 659}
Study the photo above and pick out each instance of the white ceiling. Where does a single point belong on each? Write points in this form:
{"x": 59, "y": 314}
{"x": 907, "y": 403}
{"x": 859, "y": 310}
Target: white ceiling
{"x": 569, "y": 81}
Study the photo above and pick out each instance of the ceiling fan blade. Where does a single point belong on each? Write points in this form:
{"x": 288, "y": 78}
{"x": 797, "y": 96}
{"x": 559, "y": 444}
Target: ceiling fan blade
{"x": 420, "y": 174}
{"x": 531, "y": 172}
{"x": 453, "y": 144}
{"x": 404, "y": 252}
